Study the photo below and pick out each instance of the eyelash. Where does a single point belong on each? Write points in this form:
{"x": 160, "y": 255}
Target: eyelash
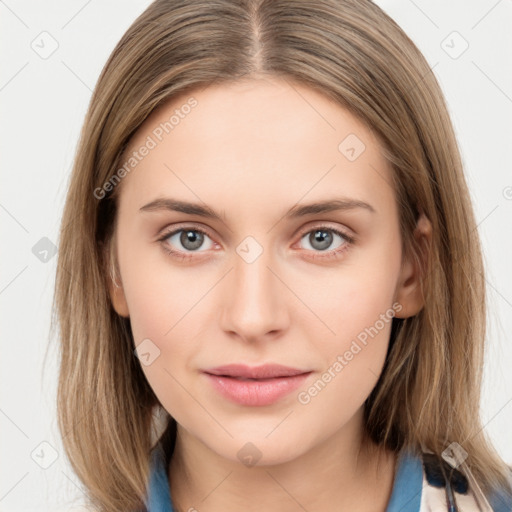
{"x": 328, "y": 255}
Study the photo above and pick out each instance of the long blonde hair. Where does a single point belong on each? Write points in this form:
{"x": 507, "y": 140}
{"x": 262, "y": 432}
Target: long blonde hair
{"x": 429, "y": 393}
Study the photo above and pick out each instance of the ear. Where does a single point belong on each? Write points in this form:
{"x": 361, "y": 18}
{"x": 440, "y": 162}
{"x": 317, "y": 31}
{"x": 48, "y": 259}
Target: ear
{"x": 409, "y": 290}
{"x": 115, "y": 286}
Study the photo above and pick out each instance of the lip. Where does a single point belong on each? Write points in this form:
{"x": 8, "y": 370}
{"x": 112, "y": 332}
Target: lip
{"x": 257, "y": 385}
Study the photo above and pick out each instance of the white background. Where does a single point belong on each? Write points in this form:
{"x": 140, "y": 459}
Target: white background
{"x": 42, "y": 106}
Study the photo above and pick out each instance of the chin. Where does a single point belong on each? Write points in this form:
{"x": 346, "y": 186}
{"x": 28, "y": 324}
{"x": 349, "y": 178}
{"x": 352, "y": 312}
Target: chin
{"x": 258, "y": 451}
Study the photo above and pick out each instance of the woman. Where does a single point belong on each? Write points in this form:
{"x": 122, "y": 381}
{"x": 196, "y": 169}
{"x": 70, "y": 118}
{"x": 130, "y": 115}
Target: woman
{"x": 270, "y": 285}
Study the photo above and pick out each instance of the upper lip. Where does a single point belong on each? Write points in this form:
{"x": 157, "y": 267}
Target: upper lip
{"x": 266, "y": 371}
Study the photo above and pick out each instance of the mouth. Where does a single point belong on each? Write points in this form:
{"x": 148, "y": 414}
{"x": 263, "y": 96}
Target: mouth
{"x": 265, "y": 371}
{"x": 248, "y": 379}
{"x": 255, "y": 386}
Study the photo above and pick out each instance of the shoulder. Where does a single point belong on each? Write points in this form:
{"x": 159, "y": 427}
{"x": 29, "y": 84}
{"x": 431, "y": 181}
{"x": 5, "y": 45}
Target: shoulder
{"x": 425, "y": 482}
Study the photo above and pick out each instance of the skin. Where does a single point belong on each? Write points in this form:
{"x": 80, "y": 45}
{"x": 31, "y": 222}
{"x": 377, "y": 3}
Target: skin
{"x": 251, "y": 151}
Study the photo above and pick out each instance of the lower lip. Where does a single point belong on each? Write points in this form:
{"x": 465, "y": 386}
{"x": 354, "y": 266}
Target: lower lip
{"x": 256, "y": 392}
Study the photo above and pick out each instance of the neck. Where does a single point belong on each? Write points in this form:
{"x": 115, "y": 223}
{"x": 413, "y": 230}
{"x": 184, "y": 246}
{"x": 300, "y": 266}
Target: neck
{"x": 341, "y": 473}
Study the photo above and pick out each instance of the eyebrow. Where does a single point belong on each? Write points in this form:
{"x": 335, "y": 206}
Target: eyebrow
{"x": 169, "y": 204}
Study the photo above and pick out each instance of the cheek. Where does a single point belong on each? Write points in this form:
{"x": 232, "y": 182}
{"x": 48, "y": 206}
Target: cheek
{"x": 353, "y": 296}
{"x": 354, "y": 354}
{"x": 356, "y": 306}
{"x": 164, "y": 324}
{"x": 158, "y": 294}
{"x": 169, "y": 307}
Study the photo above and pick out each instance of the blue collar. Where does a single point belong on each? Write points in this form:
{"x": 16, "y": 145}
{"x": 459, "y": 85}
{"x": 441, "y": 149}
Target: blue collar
{"x": 408, "y": 484}
{"x": 159, "y": 494}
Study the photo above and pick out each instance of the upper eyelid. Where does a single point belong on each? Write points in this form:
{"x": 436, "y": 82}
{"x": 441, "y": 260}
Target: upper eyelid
{"x": 325, "y": 225}
{"x": 167, "y": 232}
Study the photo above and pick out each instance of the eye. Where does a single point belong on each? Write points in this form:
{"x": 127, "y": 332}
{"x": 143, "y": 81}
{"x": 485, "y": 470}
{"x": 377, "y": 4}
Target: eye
{"x": 186, "y": 240}
{"x": 321, "y": 239}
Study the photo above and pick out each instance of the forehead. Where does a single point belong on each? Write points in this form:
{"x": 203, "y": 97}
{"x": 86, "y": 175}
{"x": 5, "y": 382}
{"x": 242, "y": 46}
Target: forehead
{"x": 255, "y": 139}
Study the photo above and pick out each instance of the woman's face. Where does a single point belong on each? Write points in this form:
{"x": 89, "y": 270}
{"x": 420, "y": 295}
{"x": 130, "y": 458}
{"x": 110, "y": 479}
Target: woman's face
{"x": 270, "y": 281}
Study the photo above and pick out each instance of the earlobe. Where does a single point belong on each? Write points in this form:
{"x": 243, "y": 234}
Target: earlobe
{"x": 118, "y": 298}
{"x": 409, "y": 291}
{"x": 115, "y": 287}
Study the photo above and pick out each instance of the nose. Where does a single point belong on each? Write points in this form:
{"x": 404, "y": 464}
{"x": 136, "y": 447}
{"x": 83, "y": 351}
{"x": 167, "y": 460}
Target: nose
{"x": 255, "y": 302}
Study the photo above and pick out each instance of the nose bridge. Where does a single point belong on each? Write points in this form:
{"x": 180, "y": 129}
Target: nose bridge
{"x": 256, "y": 302}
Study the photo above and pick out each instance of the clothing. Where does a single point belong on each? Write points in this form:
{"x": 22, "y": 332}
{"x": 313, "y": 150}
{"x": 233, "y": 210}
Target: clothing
{"x": 416, "y": 488}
